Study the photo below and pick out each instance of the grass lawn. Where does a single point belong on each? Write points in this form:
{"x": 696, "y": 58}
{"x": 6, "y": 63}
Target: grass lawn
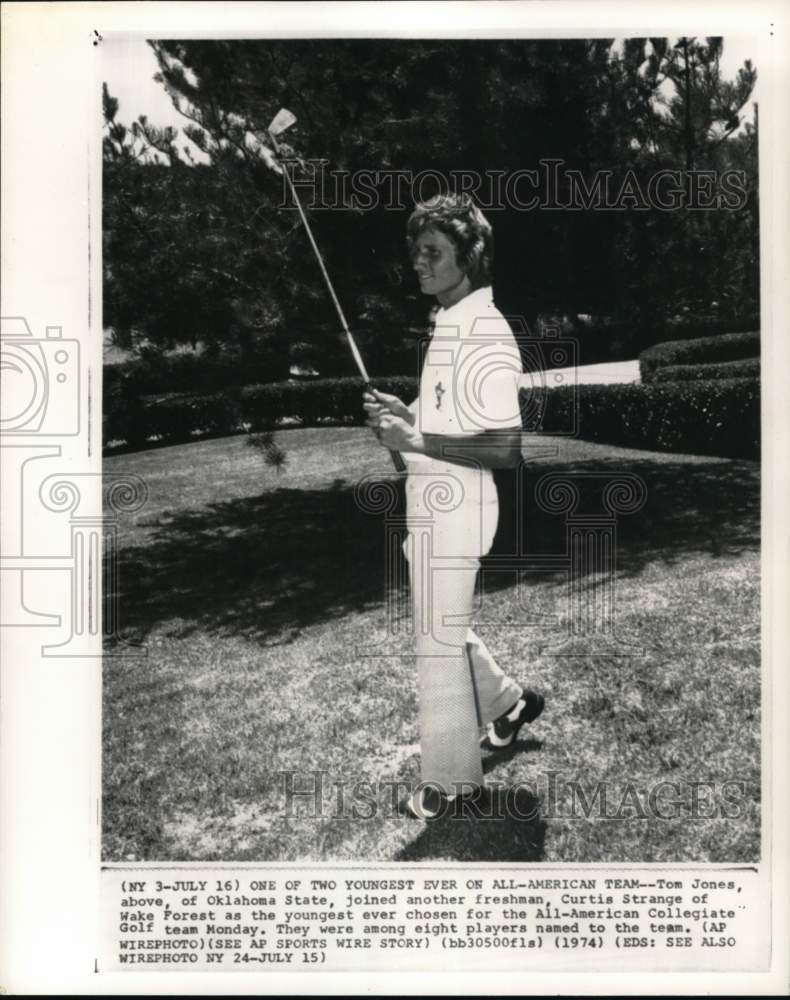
{"x": 253, "y": 591}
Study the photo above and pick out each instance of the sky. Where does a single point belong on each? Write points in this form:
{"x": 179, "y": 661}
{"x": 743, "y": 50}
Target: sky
{"x": 129, "y": 66}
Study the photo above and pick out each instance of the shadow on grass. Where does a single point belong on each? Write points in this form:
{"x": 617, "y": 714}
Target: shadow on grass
{"x": 268, "y": 566}
{"x": 504, "y": 754}
{"x": 506, "y": 827}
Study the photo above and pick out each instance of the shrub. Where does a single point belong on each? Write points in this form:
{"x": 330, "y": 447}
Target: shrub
{"x": 123, "y": 417}
{"x": 711, "y": 417}
{"x": 336, "y": 400}
{"x": 177, "y": 417}
{"x": 746, "y": 368}
{"x": 725, "y": 347}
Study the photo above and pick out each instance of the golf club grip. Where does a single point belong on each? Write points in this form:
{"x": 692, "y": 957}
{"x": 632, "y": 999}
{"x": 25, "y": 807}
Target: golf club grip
{"x": 397, "y": 461}
{"x": 397, "y": 458}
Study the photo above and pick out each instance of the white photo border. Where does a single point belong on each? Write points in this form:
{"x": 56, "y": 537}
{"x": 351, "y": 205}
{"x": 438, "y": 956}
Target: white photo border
{"x": 50, "y": 708}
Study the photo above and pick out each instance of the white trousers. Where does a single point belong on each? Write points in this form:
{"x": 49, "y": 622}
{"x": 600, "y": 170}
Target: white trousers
{"x": 460, "y": 685}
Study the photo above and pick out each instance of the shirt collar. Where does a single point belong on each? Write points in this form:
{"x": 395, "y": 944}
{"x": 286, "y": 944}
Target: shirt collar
{"x": 480, "y": 298}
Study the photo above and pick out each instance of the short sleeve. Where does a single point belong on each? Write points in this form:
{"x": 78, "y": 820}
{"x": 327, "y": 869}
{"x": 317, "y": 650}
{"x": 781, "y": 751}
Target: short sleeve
{"x": 488, "y": 381}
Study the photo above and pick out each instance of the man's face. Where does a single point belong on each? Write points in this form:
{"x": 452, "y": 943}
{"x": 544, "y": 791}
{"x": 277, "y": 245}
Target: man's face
{"x": 433, "y": 257}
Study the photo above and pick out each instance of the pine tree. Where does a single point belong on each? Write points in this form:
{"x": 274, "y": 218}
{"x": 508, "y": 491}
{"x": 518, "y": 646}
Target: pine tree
{"x": 214, "y": 252}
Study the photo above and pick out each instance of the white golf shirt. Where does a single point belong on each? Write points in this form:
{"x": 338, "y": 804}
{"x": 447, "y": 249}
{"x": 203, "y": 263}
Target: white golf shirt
{"x": 469, "y": 383}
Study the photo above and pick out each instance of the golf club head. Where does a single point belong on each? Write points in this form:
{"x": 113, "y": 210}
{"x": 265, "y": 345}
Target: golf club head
{"x": 283, "y": 120}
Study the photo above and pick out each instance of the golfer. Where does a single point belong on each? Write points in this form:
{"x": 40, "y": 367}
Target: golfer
{"x": 464, "y": 423}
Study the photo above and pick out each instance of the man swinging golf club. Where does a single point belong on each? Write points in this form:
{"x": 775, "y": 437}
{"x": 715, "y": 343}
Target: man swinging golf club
{"x": 464, "y": 423}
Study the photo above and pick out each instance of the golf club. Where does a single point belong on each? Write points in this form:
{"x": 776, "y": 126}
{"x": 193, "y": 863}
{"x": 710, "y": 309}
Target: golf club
{"x": 283, "y": 120}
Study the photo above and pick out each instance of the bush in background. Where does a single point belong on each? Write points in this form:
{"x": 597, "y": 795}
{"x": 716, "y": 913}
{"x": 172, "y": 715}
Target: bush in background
{"x": 710, "y": 417}
{"x": 696, "y": 415}
{"x": 178, "y": 417}
{"x": 322, "y": 401}
{"x": 702, "y": 350}
{"x": 746, "y": 368}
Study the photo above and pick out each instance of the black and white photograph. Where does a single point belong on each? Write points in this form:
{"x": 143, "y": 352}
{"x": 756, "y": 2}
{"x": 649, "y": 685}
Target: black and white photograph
{"x": 393, "y": 474}
{"x": 527, "y": 269}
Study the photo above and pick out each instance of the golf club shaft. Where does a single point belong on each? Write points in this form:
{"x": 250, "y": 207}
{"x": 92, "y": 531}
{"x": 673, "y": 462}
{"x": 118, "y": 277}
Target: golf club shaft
{"x": 397, "y": 458}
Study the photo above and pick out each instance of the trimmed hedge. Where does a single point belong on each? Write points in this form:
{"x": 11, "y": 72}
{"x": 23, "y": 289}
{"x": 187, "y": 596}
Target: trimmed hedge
{"x": 178, "y": 417}
{"x": 323, "y": 401}
{"x": 718, "y": 416}
{"x": 725, "y": 347}
{"x": 711, "y": 417}
{"x": 174, "y": 417}
{"x": 747, "y": 368}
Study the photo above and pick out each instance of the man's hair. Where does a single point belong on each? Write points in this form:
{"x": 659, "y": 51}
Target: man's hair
{"x": 457, "y": 216}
